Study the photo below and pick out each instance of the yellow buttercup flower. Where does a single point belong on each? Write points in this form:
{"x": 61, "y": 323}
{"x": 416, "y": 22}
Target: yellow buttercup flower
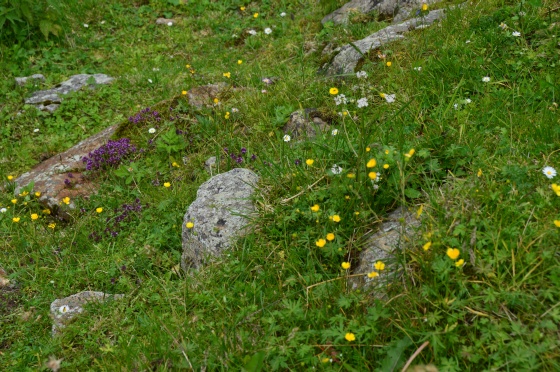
{"x": 424, "y": 7}
{"x": 427, "y": 246}
{"x": 227, "y": 74}
{"x": 371, "y": 163}
{"x": 37, "y": 194}
{"x": 315, "y": 208}
{"x": 239, "y": 61}
{"x": 479, "y": 173}
{"x": 373, "y": 274}
{"x": 10, "y": 178}
{"x": 309, "y": 162}
{"x": 557, "y": 223}
{"x": 389, "y": 64}
{"x": 16, "y": 219}
{"x": 330, "y": 237}
{"x": 345, "y": 265}
{"x": 24, "y": 193}
{"x": 66, "y": 200}
{"x": 372, "y": 175}
{"x": 52, "y": 225}
{"x": 46, "y": 211}
{"x": 14, "y": 201}
{"x": 385, "y": 166}
{"x": 379, "y": 265}
{"x": 189, "y": 225}
{"x": 453, "y": 253}
{"x": 242, "y": 8}
{"x": 368, "y": 149}
{"x": 350, "y": 337}
{"x": 174, "y": 164}
{"x": 320, "y": 243}
{"x": 333, "y": 91}
{"x": 167, "y": 184}
{"x": 34, "y": 216}
{"x": 460, "y": 263}
{"x": 216, "y": 101}
{"x": 184, "y": 92}
{"x": 410, "y": 153}
{"x": 336, "y": 218}
{"x": 99, "y": 210}
{"x": 256, "y": 15}
{"x": 554, "y": 186}
{"x": 351, "y": 175}
{"x": 226, "y": 116}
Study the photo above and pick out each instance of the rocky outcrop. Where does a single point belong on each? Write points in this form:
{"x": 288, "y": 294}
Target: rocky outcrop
{"x": 50, "y": 99}
{"x": 64, "y": 310}
{"x": 217, "y": 216}
{"x": 205, "y": 94}
{"x": 398, "y": 230}
{"x": 348, "y": 57}
{"x": 305, "y": 123}
{"x": 21, "y": 81}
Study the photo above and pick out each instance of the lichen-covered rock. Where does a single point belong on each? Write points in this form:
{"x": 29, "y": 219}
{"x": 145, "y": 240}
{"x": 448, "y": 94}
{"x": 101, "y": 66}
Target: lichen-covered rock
{"x": 305, "y": 123}
{"x": 355, "y": 6}
{"x": 48, "y": 177}
{"x": 205, "y": 94}
{"x": 50, "y": 99}
{"x": 217, "y": 216}
{"x": 64, "y": 310}
{"x": 21, "y": 81}
{"x": 395, "y": 233}
{"x": 348, "y": 57}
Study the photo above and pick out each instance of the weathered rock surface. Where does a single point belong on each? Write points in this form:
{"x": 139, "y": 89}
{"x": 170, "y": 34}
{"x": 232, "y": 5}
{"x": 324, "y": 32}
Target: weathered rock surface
{"x": 218, "y": 215}
{"x": 210, "y": 164}
{"x": 21, "y": 81}
{"x": 305, "y": 123}
{"x": 205, "y": 94}
{"x": 48, "y": 177}
{"x": 348, "y": 57}
{"x": 50, "y": 99}
{"x": 64, "y": 310}
{"x": 395, "y": 233}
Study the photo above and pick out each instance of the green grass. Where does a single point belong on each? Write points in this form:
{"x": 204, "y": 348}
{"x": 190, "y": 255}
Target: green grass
{"x": 476, "y": 172}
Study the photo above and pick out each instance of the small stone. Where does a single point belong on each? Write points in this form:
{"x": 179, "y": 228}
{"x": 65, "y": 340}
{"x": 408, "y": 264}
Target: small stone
{"x": 210, "y": 164}
{"x": 305, "y": 123}
{"x": 21, "y": 81}
{"x": 165, "y": 21}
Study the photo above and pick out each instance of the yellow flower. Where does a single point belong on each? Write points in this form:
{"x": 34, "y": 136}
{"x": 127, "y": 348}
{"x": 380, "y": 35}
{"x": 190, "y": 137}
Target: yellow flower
{"x": 336, "y": 218}
{"x": 371, "y": 163}
{"x": 255, "y": 15}
{"x": 427, "y": 246}
{"x": 242, "y": 8}
{"x": 10, "y": 178}
{"x": 330, "y": 237}
{"x": 386, "y": 152}
{"x": 351, "y": 175}
{"x": 24, "y": 193}
{"x": 554, "y": 186}
{"x": 227, "y": 74}
{"x": 410, "y": 153}
{"x": 184, "y": 92}
{"x": 52, "y": 225}
{"x": 453, "y": 253}
{"x": 347, "y": 197}
{"x": 16, "y": 219}
{"x": 315, "y": 208}
{"x": 373, "y": 274}
{"x": 216, "y": 101}
{"x": 333, "y": 91}
{"x": 385, "y": 166}
{"x": 167, "y": 184}
{"x": 424, "y": 7}
{"x": 189, "y": 225}
{"x": 37, "y": 194}
{"x": 174, "y": 164}
{"x": 419, "y": 211}
{"x": 226, "y": 115}
{"x": 379, "y": 265}
{"x": 320, "y": 243}
{"x": 479, "y": 173}
{"x": 188, "y": 66}
{"x": 309, "y": 162}
{"x": 345, "y": 265}
{"x": 389, "y": 64}
{"x": 557, "y": 223}
{"x": 34, "y": 216}
{"x": 46, "y": 211}
{"x": 350, "y": 337}
{"x": 14, "y": 201}
{"x": 460, "y": 263}
{"x": 368, "y": 149}
{"x": 66, "y": 200}
{"x": 99, "y": 210}
{"x": 239, "y": 61}
{"x": 357, "y": 213}
{"x": 372, "y": 175}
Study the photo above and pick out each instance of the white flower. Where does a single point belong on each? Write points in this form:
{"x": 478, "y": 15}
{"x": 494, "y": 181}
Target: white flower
{"x": 155, "y": 69}
{"x": 152, "y": 130}
{"x": 340, "y": 99}
{"x": 35, "y": 130}
{"x": 264, "y": 91}
{"x": 3, "y": 210}
{"x": 516, "y": 33}
{"x": 522, "y": 14}
{"x": 268, "y": 30}
{"x": 362, "y": 102}
{"x": 334, "y": 132}
{"x": 468, "y": 100}
{"x": 419, "y": 68}
{"x": 170, "y": 23}
{"x": 390, "y": 98}
{"x": 467, "y": 42}
{"x": 283, "y": 14}
{"x": 503, "y": 26}
{"x": 86, "y": 25}
{"x": 456, "y": 106}
{"x": 252, "y": 32}
{"x": 361, "y": 74}
{"x": 102, "y": 22}
{"x": 486, "y": 79}
{"x": 336, "y": 169}
{"x": 287, "y": 138}
{"x": 64, "y": 309}
{"x": 549, "y": 172}
{"x": 150, "y": 80}
{"x": 233, "y": 109}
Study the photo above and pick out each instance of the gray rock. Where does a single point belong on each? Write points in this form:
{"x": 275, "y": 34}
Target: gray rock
{"x": 355, "y": 6}
{"x": 165, "y": 21}
{"x": 210, "y": 163}
{"x": 205, "y": 94}
{"x": 393, "y": 234}
{"x": 305, "y": 123}
{"x": 21, "y": 81}
{"x": 64, "y": 310}
{"x": 218, "y": 215}
{"x": 51, "y": 98}
{"x": 348, "y": 57}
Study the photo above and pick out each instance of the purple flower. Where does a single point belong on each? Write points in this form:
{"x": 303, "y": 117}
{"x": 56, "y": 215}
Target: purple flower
{"x": 253, "y": 157}
{"x": 297, "y": 161}
{"x": 109, "y": 155}
{"x": 243, "y": 150}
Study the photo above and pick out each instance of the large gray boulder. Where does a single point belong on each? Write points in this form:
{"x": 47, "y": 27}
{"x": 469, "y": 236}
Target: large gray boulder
{"x": 218, "y": 215}
{"x": 348, "y": 57}
{"x": 50, "y": 99}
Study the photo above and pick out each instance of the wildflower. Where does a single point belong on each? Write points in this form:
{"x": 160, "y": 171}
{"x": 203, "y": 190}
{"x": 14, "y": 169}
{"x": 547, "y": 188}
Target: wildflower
{"x": 99, "y": 210}
{"x": 385, "y": 166}
{"x": 336, "y": 218}
{"x": 357, "y": 213}
{"x": 371, "y": 163}
{"x": 36, "y": 130}
{"x": 37, "y": 194}
{"x": 54, "y": 364}
{"x": 287, "y": 138}
{"x": 24, "y": 193}
{"x": 3, "y": 210}
{"x": 345, "y": 265}
{"x": 66, "y": 200}
{"x": 10, "y": 178}
{"x": 170, "y": 24}
{"x": 468, "y": 100}
{"x": 427, "y": 246}
{"x": 410, "y": 153}
{"x": 486, "y": 79}
{"x": 460, "y": 263}
{"x": 239, "y": 61}
{"x": 46, "y": 211}
{"x": 152, "y": 130}
{"x": 503, "y": 26}
{"x": 320, "y": 243}
{"x": 216, "y": 101}
{"x": 16, "y": 219}
{"x": 150, "y": 81}
{"x": 334, "y": 132}
{"x": 549, "y": 172}
{"x": 456, "y": 106}
{"x": 34, "y": 216}
{"x": 256, "y": 15}
{"x": 227, "y": 74}
{"x": 361, "y": 74}
{"x": 372, "y": 175}
{"x": 283, "y": 14}
{"x": 389, "y": 63}
{"x": 479, "y": 173}
{"x": 336, "y": 169}
{"x": 379, "y": 265}
{"x": 167, "y": 184}
{"x": 351, "y": 175}
{"x": 467, "y": 42}
{"x": 330, "y": 237}
{"x": 362, "y": 102}
{"x": 340, "y": 99}
{"x": 350, "y": 337}
{"x": 418, "y": 68}
{"x": 556, "y": 222}
{"x": 174, "y": 164}
{"x": 264, "y": 91}
{"x": 424, "y": 7}
{"x": 226, "y": 116}
{"x": 373, "y": 274}
{"x": 86, "y": 25}
{"x": 309, "y": 162}
{"x": 516, "y": 33}
{"x": 453, "y": 253}
{"x": 315, "y": 208}
{"x": 554, "y": 186}
{"x": 333, "y": 91}
{"x": 234, "y": 110}
{"x": 14, "y": 201}
{"x": 184, "y": 92}
{"x": 64, "y": 309}
{"x": 242, "y": 8}
{"x": 368, "y": 149}
{"x": 268, "y": 30}
{"x": 189, "y": 225}
{"x": 52, "y": 225}
{"x": 252, "y": 32}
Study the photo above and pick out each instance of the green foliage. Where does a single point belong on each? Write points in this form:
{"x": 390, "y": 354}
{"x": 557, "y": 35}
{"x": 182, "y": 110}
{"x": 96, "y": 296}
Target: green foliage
{"x": 19, "y": 19}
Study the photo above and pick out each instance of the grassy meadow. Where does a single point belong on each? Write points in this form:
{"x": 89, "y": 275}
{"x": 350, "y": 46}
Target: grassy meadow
{"x": 461, "y": 119}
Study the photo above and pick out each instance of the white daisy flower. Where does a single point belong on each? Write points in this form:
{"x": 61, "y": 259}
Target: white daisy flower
{"x": 283, "y": 14}
{"x": 252, "y": 32}
{"x": 362, "y": 102}
{"x": 336, "y": 169}
{"x": 486, "y": 79}
{"x": 152, "y": 130}
{"x": 268, "y": 30}
{"x": 64, "y": 309}
{"x": 287, "y": 138}
{"x": 334, "y": 132}
{"x": 3, "y": 210}
{"x": 549, "y": 172}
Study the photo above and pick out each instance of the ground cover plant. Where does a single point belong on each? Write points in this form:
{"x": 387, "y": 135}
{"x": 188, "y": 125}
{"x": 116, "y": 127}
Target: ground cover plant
{"x": 458, "y": 122}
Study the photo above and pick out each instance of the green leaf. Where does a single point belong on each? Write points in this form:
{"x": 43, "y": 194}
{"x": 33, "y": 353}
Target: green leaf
{"x": 411, "y": 193}
{"x": 394, "y": 354}
{"x": 256, "y": 362}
